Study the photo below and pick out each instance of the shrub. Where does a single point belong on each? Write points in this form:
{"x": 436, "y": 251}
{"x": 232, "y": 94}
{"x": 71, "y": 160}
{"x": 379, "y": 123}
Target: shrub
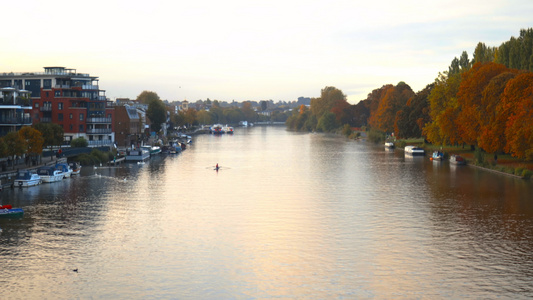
{"x": 346, "y": 130}
{"x": 479, "y": 156}
{"x": 518, "y": 171}
{"x": 526, "y": 174}
{"x": 376, "y": 136}
{"x": 79, "y": 143}
{"x": 99, "y": 156}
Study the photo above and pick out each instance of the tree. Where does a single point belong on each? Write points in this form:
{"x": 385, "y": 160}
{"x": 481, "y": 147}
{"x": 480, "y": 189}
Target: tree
{"x": 52, "y": 133}
{"x": 33, "y": 139}
{"x": 204, "y": 117}
{"x": 147, "y": 97}
{"x": 157, "y": 114}
{"x": 517, "y": 103}
{"x": 393, "y": 100}
{"x": 16, "y": 145}
{"x": 79, "y": 143}
{"x": 248, "y": 111}
{"x": 327, "y": 122}
{"x": 190, "y": 116}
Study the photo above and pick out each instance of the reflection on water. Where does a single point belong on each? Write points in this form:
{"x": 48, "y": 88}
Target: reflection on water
{"x": 289, "y": 215}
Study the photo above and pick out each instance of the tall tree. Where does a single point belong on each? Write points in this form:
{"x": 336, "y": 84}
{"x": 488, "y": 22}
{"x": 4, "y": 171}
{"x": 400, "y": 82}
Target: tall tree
{"x": 51, "y": 132}
{"x": 33, "y": 139}
{"x": 146, "y": 97}
{"x": 157, "y": 114}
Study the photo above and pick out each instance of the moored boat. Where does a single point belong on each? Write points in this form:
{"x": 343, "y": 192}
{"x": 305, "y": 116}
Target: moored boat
{"x": 50, "y": 174}
{"x": 389, "y": 145}
{"x": 216, "y": 129}
{"x": 65, "y": 168}
{"x": 9, "y": 211}
{"x": 27, "y": 178}
{"x": 137, "y": 155}
{"x": 413, "y": 150}
{"x": 76, "y": 168}
{"x": 228, "y": 129}
{"x": 457, "y": 160}
{"x": 437, "y": 156}
{"x": 153, "y": 150}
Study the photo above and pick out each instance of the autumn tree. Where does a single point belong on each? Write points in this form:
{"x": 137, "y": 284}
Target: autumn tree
{"x": 469, "y": 98}
{"x": 33, "y": 140}
{"x": 393, "y": 100}
{"x": 517, "y": 103}
{"x": 248, "y": 111}
{"x": 16, "y": 145}
{"x": 204, "y": 117}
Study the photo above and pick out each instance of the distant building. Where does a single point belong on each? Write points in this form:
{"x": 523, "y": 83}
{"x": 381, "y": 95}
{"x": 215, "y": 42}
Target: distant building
{"x": 304, "y": 101}
{"x": 128, "y": 126}
{"x": 15, "y": 109}
{"x": 68, "y": 98}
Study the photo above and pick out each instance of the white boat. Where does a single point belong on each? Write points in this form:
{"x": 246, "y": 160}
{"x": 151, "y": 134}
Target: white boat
{"x": 437, "y": 156}
{"x": 76, "y": 168}
{"x": 137, "y": 155}
{"x": 389, "y": 145}
{"x": 26, "y": 178}
{"x": 457, "y": 160}
{"x": 153, "y": 150}
{"x": 65, "y": 168}
{"x": 50, "y": 174}
{"x": 216, "y": 129}
{"x": 228, "y": 129}
{"x": 413, "y": 150}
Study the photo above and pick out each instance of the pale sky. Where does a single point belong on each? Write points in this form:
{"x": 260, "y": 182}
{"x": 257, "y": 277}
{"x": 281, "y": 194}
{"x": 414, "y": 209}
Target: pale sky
{"x": 251, "y": 50}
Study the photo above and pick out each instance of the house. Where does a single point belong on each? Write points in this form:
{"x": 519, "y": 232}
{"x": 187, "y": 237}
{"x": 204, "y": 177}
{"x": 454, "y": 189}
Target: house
{"x": 70, "y": 99}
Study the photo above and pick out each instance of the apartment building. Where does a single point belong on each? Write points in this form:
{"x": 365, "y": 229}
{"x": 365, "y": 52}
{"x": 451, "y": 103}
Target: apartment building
{"x": 68, "y": 98}
{"x": 15, "y": 109}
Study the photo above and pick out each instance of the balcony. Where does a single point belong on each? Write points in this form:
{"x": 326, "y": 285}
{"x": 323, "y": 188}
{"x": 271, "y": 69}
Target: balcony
{"x": 100, "y": 143}
{"x": 46, "y": 120}
{"x": 99, "y": 120}
{"x": 45, "y": 108}
{"x": 15, "y": 120}
{"x": 99, "y": 131}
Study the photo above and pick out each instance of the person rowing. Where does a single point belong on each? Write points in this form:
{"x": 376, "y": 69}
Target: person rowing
{"x": 216, "y": 168}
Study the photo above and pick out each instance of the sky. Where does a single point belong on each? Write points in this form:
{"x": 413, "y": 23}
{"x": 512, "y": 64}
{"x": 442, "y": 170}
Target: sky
{"x": 237, "y": 50}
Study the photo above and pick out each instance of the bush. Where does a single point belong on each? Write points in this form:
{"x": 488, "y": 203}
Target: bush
{"x": 376, "y": 136}
{"x": 85, "y": 159}
{"x": 79, "y": 143}
{"x": 99, "y": 156}
{"x": 518, "y": 171}
{"x": 346, "y": 130}
{"x": 526, "y": 174}
{"x": 401, "y": 144}
{"x": 479, "y": 156}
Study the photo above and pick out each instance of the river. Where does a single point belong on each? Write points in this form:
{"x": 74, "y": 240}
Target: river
{"x": 288, "y": 215}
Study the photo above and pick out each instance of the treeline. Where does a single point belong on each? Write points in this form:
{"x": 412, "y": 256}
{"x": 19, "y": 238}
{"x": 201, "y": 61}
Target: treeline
{"x": 486, "y": 102}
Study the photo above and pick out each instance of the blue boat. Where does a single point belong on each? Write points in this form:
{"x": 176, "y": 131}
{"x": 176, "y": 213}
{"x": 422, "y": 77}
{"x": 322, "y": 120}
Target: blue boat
{"x": 7, "y": 212}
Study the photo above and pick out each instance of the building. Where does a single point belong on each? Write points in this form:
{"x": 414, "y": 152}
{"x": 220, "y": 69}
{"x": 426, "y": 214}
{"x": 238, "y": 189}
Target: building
{"x": 15, "y": 109}
{"x": 70, "y": 99}
{"x": 128, "y": 126}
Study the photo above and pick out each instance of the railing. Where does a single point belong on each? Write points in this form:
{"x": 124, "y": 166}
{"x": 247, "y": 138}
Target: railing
{"x": 98, "y": 120}
{"x": 46, "y": 120}
{"x": 98, "y": 130}
{"x": 100, "y": 143}
{"x": 15, "y": 120}
{"x": 45, "y": 108}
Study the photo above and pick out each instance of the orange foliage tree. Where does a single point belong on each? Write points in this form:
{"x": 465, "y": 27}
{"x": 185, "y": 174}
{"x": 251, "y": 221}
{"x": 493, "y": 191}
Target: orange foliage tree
{"x": 517, "y": 104}
{"x": 469, "y": 99}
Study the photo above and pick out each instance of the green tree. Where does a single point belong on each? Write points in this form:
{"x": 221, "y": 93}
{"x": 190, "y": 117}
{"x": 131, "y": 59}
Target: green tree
{"x": 79, "y": 143}
{"x": 204, "y": 117}
{"x": 157, "y": 113}
{"x": 52, "y": 133}
{"x": 147, "y": 97}
{"x": 16, "y": 145}
{"x": 327, "y": 122}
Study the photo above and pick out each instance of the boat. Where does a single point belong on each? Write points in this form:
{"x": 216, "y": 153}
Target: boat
{"x": 153, "y": 150}
{"x": 437, "y": 156}
{"x": 137, "y": 155}
{"x": 9, "y": 211}
{"x": 65, "y": 168}
{"x": 413, "y": 150}
{"x": 76, "y": 168}
{"x": 216, "y": 129}
{"x": 27, "y": 178}
{"x": 228, "y": 129}
{"x": 389, "y": 145}
{"x": 50, "y": 174}
{"x": 457, "y": 160}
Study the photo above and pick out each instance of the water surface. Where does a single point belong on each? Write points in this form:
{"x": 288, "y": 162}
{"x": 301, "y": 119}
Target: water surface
{"x": 289, "y": 215}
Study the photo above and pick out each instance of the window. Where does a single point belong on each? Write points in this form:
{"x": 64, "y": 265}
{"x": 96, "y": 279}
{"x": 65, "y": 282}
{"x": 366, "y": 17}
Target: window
{"x": 70, "y": 126}
{"x": 81, "y": 117}
{"x": 60, "y": 106}
{"x": 36, "y": 104}
{"x": 58, "y": 94}
{"x": 71, "y": 116}
{"x": 81, "y": 127}
{"x": 60, "y": 117}
{"x": 47, "y": 94}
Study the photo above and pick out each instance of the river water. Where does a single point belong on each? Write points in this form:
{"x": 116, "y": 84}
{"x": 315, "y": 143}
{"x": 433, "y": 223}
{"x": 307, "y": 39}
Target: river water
{"x": 288, "y": 215}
